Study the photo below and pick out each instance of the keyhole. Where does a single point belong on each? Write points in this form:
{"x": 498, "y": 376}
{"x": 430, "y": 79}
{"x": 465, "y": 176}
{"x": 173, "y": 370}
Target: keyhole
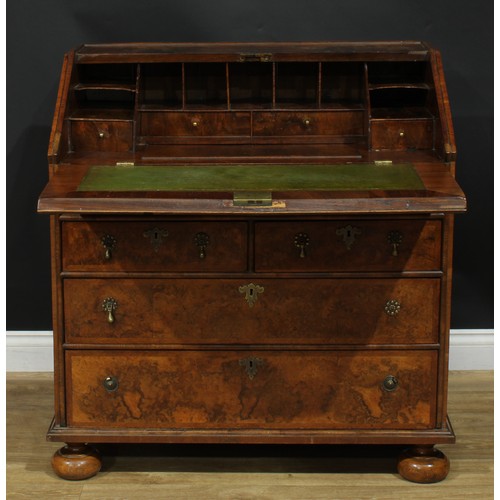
{"x": 349, "y": 234}
{"x": 250, "y": 292}
{"x": 250, "y": 364}
{"x": 156, "y": 237}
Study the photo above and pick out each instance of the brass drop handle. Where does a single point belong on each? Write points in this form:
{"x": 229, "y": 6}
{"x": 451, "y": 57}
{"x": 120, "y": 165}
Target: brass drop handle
{"x": 202, "y": 240}
{"x": 109, "y": 306}
{"x": 110, "y": 383}
{"x": 195, "y": 122}
{"x": 109, "y": 243}
{"x": 395, "y": 238}
{"x": 101, "y": 134}
{"x": 301, "y": 241}
{"x": 401, "y": 133}
{"x": 390, "y": 383}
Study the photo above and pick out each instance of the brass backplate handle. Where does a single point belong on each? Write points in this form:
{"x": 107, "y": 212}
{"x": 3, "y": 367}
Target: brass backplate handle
{"x": 301, "y": 241}
{"x": 202, "y": 240}
{"x": 395, "y": 238}
{"x": 109, "y": 306}
{"x": 109, "y": 243}
{"x": 251, "y": 292}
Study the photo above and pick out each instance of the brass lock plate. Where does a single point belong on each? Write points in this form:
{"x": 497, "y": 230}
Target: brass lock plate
{"x": 252, "y": 198}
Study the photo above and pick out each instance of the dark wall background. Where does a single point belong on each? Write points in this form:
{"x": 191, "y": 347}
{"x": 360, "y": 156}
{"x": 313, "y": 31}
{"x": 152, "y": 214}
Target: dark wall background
{"x": 38, "y": 34}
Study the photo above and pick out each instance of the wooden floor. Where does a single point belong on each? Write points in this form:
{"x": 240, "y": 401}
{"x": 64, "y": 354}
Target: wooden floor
{"x": 243, "y": 473}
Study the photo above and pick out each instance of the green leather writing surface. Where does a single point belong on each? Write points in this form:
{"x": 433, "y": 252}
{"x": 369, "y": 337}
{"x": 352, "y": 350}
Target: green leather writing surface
{"x": 351, "y": 177}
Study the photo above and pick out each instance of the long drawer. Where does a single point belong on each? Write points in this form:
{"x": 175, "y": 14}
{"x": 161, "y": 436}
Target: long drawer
{"x": 263, "y": 311}
{"x": 348, "y": 245}
{"x": 154, "y": 246}
{"x": 264, "y": 389}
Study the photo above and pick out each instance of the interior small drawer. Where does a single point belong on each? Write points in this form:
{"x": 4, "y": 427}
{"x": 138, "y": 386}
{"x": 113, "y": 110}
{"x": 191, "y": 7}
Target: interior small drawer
{"x": 251, "y": 311}
{"x": 156, "y": 245}
{"x": 402, "y": 134}
{"x": 285, "y": 123}
{"x": 348, "y": 245}
{"x": 256, "y": 388}
{"x": 195, "y": 124}
{"x": 101, "y": 135}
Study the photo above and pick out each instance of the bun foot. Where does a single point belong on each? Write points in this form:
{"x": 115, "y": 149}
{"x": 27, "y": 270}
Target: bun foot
{"x": 423, "y": 464}
{"x": 76, "y": 461}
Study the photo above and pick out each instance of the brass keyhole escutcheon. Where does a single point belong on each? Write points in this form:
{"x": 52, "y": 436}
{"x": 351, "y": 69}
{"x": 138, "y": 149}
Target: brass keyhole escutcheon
{"x": 349, "y": 234}
{"x": 110, "y": 384}
{"x": 395, "y": 239}
{"x": 251, "y": 292}
{"x": 301, "y": 241}
{"x": 109, "y": 306}
{"x": 109, "y": 243}
{"x": 202, "y": 240}
{"x": 251, "y": 365}
{"x": 392, "y": 307}
{"x": 156, "y": 237}
{"x": 390, "y": 383}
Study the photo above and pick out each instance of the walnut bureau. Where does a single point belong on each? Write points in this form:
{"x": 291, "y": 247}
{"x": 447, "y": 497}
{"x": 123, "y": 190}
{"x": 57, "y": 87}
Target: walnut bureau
{"x": 252, "y": 243}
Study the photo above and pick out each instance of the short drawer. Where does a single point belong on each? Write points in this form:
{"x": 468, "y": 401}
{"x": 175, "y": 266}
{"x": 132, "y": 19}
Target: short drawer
{"x": 402, "y": 134}
{"x": 251, "y": 311}
{"x": 271, "y": 123}
{"x": 264, "y": 389}
{"x": 348, "y": 245}
{"x": 100, "y": 135}
{"x": 154, "y": 246}
{"x": 195, "y": 124}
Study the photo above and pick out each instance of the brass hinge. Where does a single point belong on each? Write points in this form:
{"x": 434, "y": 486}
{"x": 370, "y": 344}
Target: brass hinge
{"x": 256, "y": 57}
{"x": 383, "y": 162}
{"x": 125, "y": 164}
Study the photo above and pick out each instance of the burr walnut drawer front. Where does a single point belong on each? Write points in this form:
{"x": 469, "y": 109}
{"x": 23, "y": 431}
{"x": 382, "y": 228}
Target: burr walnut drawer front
{"x": 293, "y": 123}
{"x": 252, "y": 388}
{"x": 343, "y": 245}
{"x": 100, "y": 135}
{"x": 261, "y": 311}
{"x": 194, "y": 124}
{"x": 154, "y": 246}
